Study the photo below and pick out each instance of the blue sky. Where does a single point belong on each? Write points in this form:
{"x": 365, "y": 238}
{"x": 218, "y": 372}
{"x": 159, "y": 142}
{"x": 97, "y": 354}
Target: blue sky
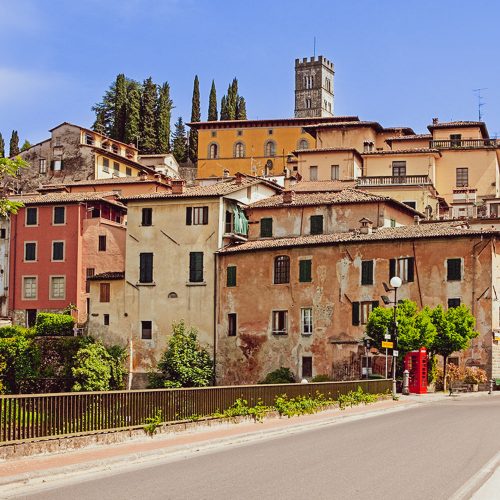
{"x": 399, "y": 63}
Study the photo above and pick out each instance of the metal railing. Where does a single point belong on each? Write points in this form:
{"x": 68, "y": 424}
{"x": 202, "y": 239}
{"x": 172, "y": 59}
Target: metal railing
{"x": 463, "y": 143}
{"x": 391, "y": 180}
{"x": 29, "y": 417}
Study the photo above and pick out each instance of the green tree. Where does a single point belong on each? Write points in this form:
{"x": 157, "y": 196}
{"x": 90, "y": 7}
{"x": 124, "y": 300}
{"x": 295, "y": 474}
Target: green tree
{"x": 185, "y": 363}
{"x": 224, "y": 115}
{"x": 9, "y": 168}
{"x": 133, "y": 112}
{"x": 26, "y": 145}
{"x": 454, "y": 331}
{"x": 232, "y": 99}
{"x": 14, "y": 144}
{"x": 104, "y": 112}
{"x": 163, "y": 116}
{"x": 120, "y": 108}
{"x": 179, "y": 147}
{"x": 195, "y": 117}
{"x": 2, "y": 146}
{"x": 212, "y": 104}
{"x": 149, "y": 104}
{"x": 241, "y": 111}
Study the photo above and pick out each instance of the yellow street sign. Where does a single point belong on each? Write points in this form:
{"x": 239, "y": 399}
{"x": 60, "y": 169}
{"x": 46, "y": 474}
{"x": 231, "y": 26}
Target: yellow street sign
{"x": 387, "y": 345}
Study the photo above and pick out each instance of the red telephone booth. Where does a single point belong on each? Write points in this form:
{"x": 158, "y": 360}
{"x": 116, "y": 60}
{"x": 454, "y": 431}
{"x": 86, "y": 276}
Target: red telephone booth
{"x": 416, "y": 364}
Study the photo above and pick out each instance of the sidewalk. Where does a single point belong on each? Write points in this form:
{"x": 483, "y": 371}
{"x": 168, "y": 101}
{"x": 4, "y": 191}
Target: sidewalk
{"x": 170, "y": 446}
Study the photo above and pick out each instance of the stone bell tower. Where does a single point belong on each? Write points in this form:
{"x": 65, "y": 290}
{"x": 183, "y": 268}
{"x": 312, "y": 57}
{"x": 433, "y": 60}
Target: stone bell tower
{"x": 313, "y": 87}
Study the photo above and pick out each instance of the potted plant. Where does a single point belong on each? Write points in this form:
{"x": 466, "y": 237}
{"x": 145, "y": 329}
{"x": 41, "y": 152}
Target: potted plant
{"x": 475, "y": 376}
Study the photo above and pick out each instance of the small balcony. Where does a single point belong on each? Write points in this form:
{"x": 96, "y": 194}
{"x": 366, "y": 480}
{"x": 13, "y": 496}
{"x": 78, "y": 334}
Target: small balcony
{"x": 464, "y": 143}
{"x": 391, "y": 180}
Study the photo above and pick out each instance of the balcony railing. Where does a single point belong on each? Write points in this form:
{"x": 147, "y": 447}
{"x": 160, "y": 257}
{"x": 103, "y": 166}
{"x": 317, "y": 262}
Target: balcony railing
{"x": 395, "y": 180}
{"x": 463, "y": 143}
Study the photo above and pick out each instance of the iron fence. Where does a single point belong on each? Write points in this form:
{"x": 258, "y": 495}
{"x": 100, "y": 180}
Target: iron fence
{"x": 33, "y": 416}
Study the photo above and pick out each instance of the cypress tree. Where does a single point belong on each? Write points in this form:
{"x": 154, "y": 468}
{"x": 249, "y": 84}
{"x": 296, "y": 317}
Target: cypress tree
{"x": 179, "y": 149}
{"x": 232, "y": 99}
{"x": 104, "y": 112}
{"x": 14, "y": 144}
{"x": 119, "y": 108}
{"x": 133, "y": 113}
{"x": 195, "y": 117}
{"x": 241, "y": 110}
{"x": 223, "y": 109}
{"x": 212, "y": 104}
{"x": 99, "y": 125}
{"x": 26, "y": 145}
{"x": 2, "y": 146}
{"x": 163, "y": 115}
{"x": 149, "y": 104}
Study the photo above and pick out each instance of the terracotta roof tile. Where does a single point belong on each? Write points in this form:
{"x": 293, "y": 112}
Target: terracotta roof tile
{"x": 109, "y": 275}
{"x": 114, "y": 180}
{"x": 431, "y": 230}
{"x": 316, "y": 186}
{"x": 401, "y": 151}
{"x": 43, "y": 199}
{"x": 413, "y": 137}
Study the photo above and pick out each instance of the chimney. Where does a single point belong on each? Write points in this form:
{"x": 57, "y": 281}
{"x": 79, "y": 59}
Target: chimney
{"x": 178, "y": 186}
{"x": 143, "y": 176}
{"x": 226, "y": 173}
{"x": 366, "y": 226}
{"x": 417, "y": 220}
{"x": 435, "y": 121}
{"x": 288, "y": 196}
{"x": 238, "y": 178}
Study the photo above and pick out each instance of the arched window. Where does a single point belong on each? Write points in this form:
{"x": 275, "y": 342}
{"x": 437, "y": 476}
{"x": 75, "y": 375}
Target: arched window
{"x": 239, "y": 150}
{"x": 282, "y": 269}
{"x": 270, "y": 148}
{"x": 213, "y": 151}
{"x": 303, "y": 144}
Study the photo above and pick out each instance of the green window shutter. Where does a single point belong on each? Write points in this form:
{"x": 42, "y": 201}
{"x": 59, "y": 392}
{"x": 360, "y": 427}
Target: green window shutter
{"x": 205, "y": 215}
{"x": 454, "y": 267}
{"x": 411, "y": 269}
{"x": 231, "y": 275}
{"x": 375, "y": 304}
{"x": 189, "y": 216}
{"x": 196, "y": 267}
{"x": 62, "y": 164}
{"x": 392, "y": 268}
{"x": 266, "y": 227}
{"x": 305, "y": 271}
{"x": 367, "y": 272}
{"x": 316, "y": 224}
{"x": 355, "y": 313}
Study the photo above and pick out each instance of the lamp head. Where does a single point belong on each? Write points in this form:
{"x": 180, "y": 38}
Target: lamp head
{"x": 396, "y": 282}
{"x": 386, "y": 300}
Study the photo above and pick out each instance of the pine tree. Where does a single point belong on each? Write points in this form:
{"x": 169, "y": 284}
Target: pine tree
{"x": 223, "y": 109}
{"x": 14, "y": 144}
{"x": 99, "y": 125}
{"x": 133, "y": 112}
{"x": 2, "y": 146}
{"x": 241, "y": 110}
{"x": 212, "y": 104}
{"x": 119, "y": 108}
{"x": 26, "y": 145}
{"x": 195, "y": 117}
{"x": 179, "y": 142}
{"x": 149, "y": 104}
{"x": 163, "y": 115}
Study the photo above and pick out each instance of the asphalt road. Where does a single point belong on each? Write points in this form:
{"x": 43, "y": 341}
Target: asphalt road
{"x": 426, "y": 452}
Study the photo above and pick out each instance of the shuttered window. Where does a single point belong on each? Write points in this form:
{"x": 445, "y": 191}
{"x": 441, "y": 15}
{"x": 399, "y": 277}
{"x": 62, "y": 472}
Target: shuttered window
{"x": 403, "y": 268}
{"x": 455, "y": 302}
{"x": 196, "y": 216}
{"x": 305, "y": 275}
{"x": 59, "y": 215}
{"x": 316, "y": 224}
{"x": 147, "y": 217}
{"x": 104, "y": 289}
{"x": 231, "y": 275}
{"x": 281, "y": 269}
{"x": 361, "y": 311}
{"x": 367, "y": 272}
{"x": 454, "y": 267}
{"x": 31, "y": 216}
{"x": 30, "y": 251}
{"x": 266, "y": 227}
{"x": 146, "y": 268}
{"x": 231, "y": 325}
{"x": 57, "y": 250}
{"x": 102, "y": 243}
{"x": 307, "y": 366}
{"x": 196, "y": 267}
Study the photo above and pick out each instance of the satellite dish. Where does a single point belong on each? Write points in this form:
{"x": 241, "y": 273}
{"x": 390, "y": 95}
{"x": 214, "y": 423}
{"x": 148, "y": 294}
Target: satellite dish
{"x": 269, "y": 164}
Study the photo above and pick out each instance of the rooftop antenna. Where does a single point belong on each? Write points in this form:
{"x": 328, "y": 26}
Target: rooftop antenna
{"x": 480, "y": 102}
{"x": 314, "y": 47}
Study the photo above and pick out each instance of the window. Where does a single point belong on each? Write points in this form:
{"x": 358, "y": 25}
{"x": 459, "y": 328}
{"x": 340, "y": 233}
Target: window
{"x": 305, "y": 271}
{"x": 146, "y": 330}
{"x": 147, "y": 217}
{"x": 29, "y": 287}
{"x": 280, "y": 322}
{"x": 31, "y": 216}
{"x": 367, "y": 272}
{"x": 308, "y": 103}
{"x": 404, "y": 268}
{"x": 239, "y": 133}
{"x": 89, "y": 273}
{"x": 266, "y": 227}
{"x": 213, "y": 133}
{"x": 361, "y": 311}
{"x": 399, "y": 170}
{"x": 59, "y": 215}
{"x": 96, "y": 212}
{"x": 104, "y": 289}
{"x": 30, "y": 252}
{"x": 231, "y": 276}
{"x": 411, "y": 204}
{"x": 455, "y": 302}
{"x": 393, "y": 222}
{"x": 145, "y": 268}
{"x": 368, "y": 146}
{"x": 213, "y": 151}
{"x": 231, "y": 325}
{"x": 303, "y": 144}
{"x": 57, "y": 287}
{"x": 3, "y": 233}
{"x": 116, "y": 168}
{"x": 89, "y": 139}
{"x": 281, "y": 269}
{"x": 313, "y": 173}
{"x": 335, "y": 172}
{"x": 270, "y": 131}
{"x": 196, "y": 216}
{"x": 58, "y": 250}
{"x": 239, "y": 150}
{"x": 316, "y": 222}
{"x": 57, "y": 165}
{"x": 106, "y": 319}
{"x": 58, "y": 141}
{"x": 114, "y": 148}
{"x": 270, "y": 148}
{"x": 196, "y": 267}
{"x": 102, "y": 243}
{"x": 462, "y": 177}
{"x": 128, "y": 171}
{"x": 306, "y": 325}
{"x": 454, "y": 268}
{"x": 455, "y": 140}
{"x": 307, "y": 366}
{"x": 42, "y": 165}
{"x": 105, "y": 165}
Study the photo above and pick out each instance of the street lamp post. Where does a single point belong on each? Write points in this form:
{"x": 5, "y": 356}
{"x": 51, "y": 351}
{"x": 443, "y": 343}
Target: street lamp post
{"x": 395, "y": 283}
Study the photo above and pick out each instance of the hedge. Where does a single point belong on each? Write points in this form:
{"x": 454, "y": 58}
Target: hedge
{"x": 7, "y": 332}
{"x": 54, "y": 324}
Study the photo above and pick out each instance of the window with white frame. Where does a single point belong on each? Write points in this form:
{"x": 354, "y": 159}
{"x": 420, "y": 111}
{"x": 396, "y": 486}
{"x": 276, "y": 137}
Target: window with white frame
{"x": 280, "y": 322}
{"x": 335, "y": 172}
{"x": 29, "y": 287}
{"x": 306, "y": 324}
{"x": 57, "y": 287}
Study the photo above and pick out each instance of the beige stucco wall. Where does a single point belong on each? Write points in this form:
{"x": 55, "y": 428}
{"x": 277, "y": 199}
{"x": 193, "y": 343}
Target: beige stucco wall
{"x": 443, "y": 134}
{"x": 416, "y": 164}
{"x": 350, "y": 165}
{"x": 349, "y": 137}
{"x": 410, "y": 144}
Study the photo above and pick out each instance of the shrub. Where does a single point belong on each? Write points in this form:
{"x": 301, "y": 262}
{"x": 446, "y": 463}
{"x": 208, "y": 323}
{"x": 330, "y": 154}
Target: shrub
{"x": 474, "y": 375}
{"x": 280, "y": 376}
{"x": 321, "y": 378}
{"x": 54, "y": 324}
